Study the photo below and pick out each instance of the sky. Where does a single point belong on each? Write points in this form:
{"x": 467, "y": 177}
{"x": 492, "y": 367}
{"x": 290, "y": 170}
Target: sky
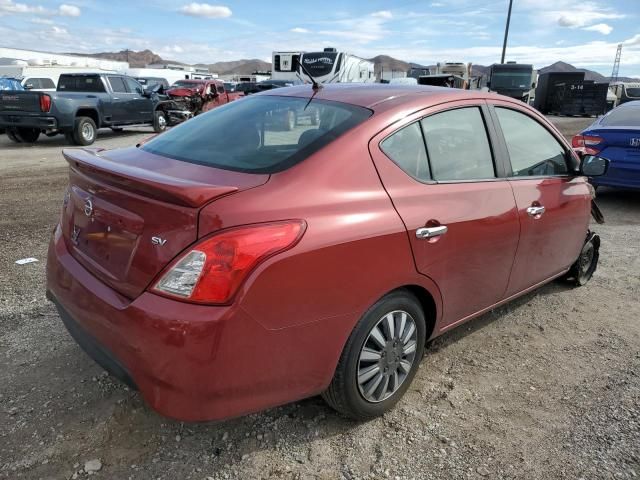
{"x": 584, "y": 33}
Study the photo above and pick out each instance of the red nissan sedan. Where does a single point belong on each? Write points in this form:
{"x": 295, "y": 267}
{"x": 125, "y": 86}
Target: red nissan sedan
{"x": 239, "y": 261}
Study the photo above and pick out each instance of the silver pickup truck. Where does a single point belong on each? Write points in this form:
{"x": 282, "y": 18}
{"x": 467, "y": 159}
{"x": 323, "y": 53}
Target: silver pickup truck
{"x": 81, "y": 105}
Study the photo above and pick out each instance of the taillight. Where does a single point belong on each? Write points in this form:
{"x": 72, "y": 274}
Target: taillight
{"x": 45, "y": 102}
{"x": 587, "y": 143}
{"x": 213, "y": 270}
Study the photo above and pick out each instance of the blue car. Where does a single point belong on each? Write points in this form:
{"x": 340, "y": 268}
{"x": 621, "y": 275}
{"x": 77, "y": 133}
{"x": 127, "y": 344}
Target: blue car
{"x": 615, "y": 136}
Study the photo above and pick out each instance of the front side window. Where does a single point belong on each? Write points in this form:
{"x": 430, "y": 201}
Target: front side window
{"x": 406, "y": 148}
{"x": 134, "y": 87}
{"x": 532, "y": 149}
{"x": 262, "y": 134}
{"x": 117, "y": 85}
{"x": 458, "y": 146}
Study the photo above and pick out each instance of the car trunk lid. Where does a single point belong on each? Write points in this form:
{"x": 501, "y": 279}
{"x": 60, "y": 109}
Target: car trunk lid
{"x": 128, "y": 212}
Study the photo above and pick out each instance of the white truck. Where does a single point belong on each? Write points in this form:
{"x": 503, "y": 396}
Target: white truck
{"x": 331, "y": 66}
{"x": 43, "y": 77}
{"x": 625, "y": 92}
{"x": 285, "y": 66}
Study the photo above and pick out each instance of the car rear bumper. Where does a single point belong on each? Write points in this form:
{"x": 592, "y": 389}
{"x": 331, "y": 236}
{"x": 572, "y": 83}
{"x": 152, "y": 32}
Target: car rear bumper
{"x": 190, "y": 362}
{"x": 24, "y": 120}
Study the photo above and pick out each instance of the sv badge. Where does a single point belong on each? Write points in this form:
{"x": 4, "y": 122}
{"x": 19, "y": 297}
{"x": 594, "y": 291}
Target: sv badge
{"x": 159, "y": 241}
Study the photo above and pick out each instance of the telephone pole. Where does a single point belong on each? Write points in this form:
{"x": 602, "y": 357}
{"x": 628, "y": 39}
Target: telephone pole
{"x": 506, "y": 32}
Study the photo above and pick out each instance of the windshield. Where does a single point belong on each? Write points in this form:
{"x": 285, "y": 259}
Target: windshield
{"x": 633, "y": 92}
{"x": 511, "y": 80}
{"x": 624, "y": 116}
{"x": 263, "y": 134}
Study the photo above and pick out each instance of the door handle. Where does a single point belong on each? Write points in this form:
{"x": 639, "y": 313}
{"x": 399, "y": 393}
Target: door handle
{"x": 535, "y": 211}
{"x": 115, "y": 98}
{"x": 430, "y": 232}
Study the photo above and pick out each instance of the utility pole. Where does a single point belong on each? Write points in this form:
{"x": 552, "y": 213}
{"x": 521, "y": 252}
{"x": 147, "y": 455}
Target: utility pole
{"x": 506, "y": 32}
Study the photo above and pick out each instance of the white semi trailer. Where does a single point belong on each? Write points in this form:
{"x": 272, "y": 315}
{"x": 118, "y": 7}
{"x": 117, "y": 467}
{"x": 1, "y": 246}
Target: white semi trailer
{"x": 331, "y": 66}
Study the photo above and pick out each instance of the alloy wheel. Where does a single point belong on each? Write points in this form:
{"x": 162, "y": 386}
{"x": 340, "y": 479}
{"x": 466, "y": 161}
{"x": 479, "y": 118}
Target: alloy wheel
{"x": 387, "y": 356}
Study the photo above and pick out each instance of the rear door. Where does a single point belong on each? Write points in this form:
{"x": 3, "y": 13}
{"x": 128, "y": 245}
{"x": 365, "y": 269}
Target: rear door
{"x": 460, "y": 215}
{"x": 553, "y": 204}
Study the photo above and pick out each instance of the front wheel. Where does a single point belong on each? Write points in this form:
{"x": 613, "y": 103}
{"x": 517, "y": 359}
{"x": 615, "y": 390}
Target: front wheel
{"x": 13, "y": 135}
{"x": 380, "y": 359}
{"x": 159, "y": 121}
{"x": 585, "y": 266}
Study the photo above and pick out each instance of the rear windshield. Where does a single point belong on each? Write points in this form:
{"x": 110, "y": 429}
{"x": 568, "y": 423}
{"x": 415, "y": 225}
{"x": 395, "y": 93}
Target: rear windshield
{"x": 624, "y": 116}
{"x": 261, "y": 134}
{"x": 74, "y": 83}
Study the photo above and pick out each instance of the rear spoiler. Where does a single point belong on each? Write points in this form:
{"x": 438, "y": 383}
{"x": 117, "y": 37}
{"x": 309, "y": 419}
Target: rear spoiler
{"x": 166, "y": 188}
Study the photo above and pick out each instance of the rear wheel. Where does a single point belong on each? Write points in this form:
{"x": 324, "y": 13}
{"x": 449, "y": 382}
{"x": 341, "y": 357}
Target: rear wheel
{"x": 13, "y": 135}
{"x": 380, "y": 358}
{"x": 28, "y": 135}
{"x": 84, "y": 131}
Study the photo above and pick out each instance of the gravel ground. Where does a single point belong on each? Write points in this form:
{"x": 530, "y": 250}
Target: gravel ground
{"x": 546, "y": 387}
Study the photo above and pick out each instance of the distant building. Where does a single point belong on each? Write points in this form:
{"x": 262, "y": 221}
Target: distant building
{"x": 17, "y": 56}
{"x": 417, "y": 71}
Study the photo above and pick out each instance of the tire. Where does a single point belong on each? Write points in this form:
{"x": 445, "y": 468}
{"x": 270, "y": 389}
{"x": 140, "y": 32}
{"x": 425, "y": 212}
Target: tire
{"x": 368, "y": 399}
{"x": 84, "y": 131}
{"x": 290, "y": 120}
{"x": 587, "y": 263}
{"x": 160, "y": 121}
{"x": 13, "y": 136}
{"x": 28, "y": 135}
{"x": 315, "y": 117}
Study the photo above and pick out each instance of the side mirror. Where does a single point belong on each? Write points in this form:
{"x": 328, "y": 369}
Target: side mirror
{"x": 593, "y": 166}
{"x": 533, "y": 85}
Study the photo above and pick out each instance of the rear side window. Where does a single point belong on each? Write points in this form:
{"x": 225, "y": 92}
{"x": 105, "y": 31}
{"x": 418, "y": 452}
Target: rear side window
{"x": 39, "y": 83}
{"x": 458, "y": 146}
{"x": 261, "y": 134}
{"x": 80, "y": 83}
{"x": 625, "y": 116}
{"x": 532, "y": 149}
{"x": 406, "y": 148}
{"x": 117, "y": 84}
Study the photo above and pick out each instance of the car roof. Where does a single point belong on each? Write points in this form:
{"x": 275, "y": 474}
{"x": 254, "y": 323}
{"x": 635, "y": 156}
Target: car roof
{"x": 374, "y": 95}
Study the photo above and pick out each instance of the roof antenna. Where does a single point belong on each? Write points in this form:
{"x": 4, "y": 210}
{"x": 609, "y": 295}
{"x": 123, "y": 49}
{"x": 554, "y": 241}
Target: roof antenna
{"x": 316, "y": 85}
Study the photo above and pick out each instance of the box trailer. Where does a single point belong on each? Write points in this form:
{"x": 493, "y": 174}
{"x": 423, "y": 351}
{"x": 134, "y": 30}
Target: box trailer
{"x": 545, "y": 89}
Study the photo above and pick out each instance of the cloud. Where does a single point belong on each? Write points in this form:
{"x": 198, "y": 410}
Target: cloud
{"x": 206, "y": 10}
{"x": 299, "y": 30}
{"x": 602, "y": 28}
{"x": 635, "y": 40}
{"x": 386, "y": 14}
{"x": 41, "y": 21}
{"x": 9, "y": 6}
{"x": 436, "y": 4}
{"x": 69, "y": 10}
{"x": 59, "y": 31}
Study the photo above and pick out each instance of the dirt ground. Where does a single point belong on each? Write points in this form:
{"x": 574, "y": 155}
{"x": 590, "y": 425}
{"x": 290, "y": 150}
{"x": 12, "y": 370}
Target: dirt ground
{"x": 547, "y": 387}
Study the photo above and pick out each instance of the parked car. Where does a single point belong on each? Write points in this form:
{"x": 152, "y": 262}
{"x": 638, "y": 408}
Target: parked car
{"x": 81, "y": 105}
{"x": 226, "y": 266}
{"x": 615, "y": 136}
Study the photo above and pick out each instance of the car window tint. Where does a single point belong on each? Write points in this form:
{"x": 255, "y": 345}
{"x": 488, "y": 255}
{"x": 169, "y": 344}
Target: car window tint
{"x": 117, "y": 84}
{"x": 33, "y": 83}
{"x": 627, "y": 115}
{"x": 406, "y": 148}
{"x": 134, "y": 87}
{"x": 532, "y": 149}
{"x": 220, "y": 89}
{"x": 47, "y": 83}
{"x": 263, "y": 134}
{"x": 458, "y": 146}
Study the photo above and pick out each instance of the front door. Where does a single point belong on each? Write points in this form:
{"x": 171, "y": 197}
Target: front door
{"x": 553, "y": 204}
{"x": 140, "y": 107}
{"x": 460, "y": 216}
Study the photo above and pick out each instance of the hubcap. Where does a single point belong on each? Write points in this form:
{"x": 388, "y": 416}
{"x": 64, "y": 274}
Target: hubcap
{"x": 387, "y": 356}
{"x": 87, "y": 132}
{"x": 586, "y": 259}
{"x": 162, "y": 121}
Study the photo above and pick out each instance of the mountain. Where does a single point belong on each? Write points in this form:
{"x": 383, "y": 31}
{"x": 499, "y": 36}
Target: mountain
{"x": 242, "y": 67}
{"x": 567, "y": 67}
{"x": 385, "y": 63}
{"x": 135, "y": 59}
